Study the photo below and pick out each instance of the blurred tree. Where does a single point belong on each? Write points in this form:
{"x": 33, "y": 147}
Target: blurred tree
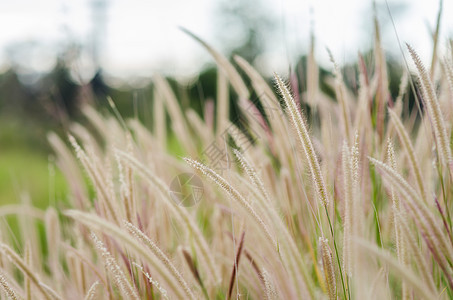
{"x": 99, "y": 87}
{"x": 244, "y": 27}
{"x": 63, "y": 91}
{"x": 13, "y": 96}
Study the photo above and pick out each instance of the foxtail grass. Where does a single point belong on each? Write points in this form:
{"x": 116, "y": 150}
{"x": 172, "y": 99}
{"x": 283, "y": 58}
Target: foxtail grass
{"x": 306, "y": 170}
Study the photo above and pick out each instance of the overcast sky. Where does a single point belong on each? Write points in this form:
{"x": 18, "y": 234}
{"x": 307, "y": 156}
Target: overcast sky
{"x": 141, "y": 37}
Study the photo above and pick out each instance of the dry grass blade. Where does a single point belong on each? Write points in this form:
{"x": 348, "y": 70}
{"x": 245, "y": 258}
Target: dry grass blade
{"x": 234, "y": 273}
{"x": 53, "y": 235}
{"x": 407, "y": 144}
{"x": 192, "y": 267}
{"x": 416, "y": 284}
{"x": 160, "y": 125}
{"x": 223, "y": 101}
{"x": 51, "y": 292}
{"x": 22, "y": 209}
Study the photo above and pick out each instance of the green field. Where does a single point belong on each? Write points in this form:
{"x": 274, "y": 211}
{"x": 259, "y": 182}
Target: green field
{"x": 26, "y": 172}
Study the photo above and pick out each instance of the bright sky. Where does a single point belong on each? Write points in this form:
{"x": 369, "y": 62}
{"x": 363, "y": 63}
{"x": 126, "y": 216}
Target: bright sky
{"x": 141, "y": 37}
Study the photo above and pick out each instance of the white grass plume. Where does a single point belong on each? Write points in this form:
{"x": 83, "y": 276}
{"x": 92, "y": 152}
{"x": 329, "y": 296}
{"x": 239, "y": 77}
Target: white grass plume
{"x": 304, "y": 138}
{"x": 155, "y": 284}
{"x": 8, "y": 289}
{"x": 91, "y": 294}
{"x": 256, "y": 180}
{"x": 434, "y": 111}
{"x": 349, "y": 223}
{"x": 270, "y": 291}
{"x": 127, "y": 189}
{"x": 118, "y": 275}
{"x": 328, "y": 268}
{"x": 401, "y": 247}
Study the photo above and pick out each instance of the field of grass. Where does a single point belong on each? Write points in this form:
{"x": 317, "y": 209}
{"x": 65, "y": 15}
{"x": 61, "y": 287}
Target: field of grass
{"x": 356, "y": 205}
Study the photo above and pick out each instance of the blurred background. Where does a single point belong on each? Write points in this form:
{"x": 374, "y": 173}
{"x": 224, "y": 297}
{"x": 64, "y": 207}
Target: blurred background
{"x": 56, "y": 55}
